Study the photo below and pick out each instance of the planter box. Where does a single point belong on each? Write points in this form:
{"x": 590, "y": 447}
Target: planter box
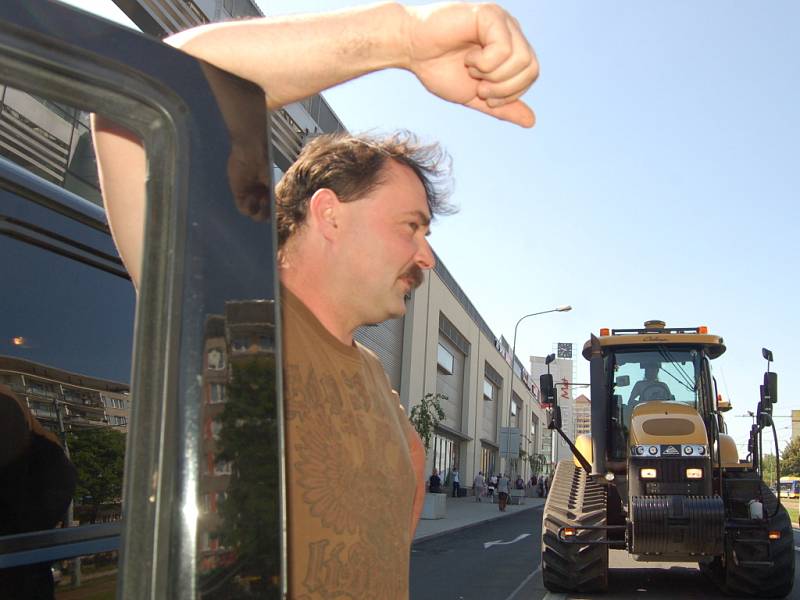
{"x": 435, "y": 506}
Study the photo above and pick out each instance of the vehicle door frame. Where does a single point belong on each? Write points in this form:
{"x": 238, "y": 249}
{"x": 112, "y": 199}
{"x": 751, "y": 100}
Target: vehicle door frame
{"x": 163, "y": 96}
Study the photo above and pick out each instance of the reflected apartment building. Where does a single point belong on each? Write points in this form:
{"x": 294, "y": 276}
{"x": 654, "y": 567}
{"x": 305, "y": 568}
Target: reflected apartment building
{"x": 239, "y": 417}
{"x": 65, "y": 401}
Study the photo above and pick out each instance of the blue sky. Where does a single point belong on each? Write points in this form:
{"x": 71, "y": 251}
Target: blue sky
{"x": 659, "y": 182}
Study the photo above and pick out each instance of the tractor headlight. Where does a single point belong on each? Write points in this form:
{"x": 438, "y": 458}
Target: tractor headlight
{"x": 694, "y": 473}
{"x": 647, "y": 473}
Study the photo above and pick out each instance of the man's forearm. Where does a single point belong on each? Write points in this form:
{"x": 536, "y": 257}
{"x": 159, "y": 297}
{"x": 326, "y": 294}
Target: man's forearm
{"x": 295, "y": 57}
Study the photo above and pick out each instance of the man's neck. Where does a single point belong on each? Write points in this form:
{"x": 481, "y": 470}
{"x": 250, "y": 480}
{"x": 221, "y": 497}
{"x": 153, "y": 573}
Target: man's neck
{"x": 321, "y": 307}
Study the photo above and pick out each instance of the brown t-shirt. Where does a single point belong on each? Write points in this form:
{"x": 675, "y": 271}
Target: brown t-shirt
{"x": 351, "y": 484}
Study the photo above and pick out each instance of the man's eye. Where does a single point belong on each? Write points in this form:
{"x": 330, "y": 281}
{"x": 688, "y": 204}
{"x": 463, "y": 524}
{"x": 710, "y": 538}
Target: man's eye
{"x": 414, "y": 226}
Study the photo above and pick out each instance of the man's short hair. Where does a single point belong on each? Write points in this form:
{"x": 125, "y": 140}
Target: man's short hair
{"x": 353, "y": 166}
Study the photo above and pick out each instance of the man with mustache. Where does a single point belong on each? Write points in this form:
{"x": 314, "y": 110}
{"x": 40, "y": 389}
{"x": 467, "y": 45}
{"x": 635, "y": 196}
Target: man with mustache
{"x": 353, "y": 218}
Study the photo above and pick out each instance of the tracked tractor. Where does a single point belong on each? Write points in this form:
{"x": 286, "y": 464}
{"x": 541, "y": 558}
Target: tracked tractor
{"x": 659, "y": 477}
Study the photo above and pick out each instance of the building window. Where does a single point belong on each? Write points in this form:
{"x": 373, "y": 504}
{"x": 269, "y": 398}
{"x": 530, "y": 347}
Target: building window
{"x": 266, "y": 343}
{"x": 514, "y": 409}
{"x": 445, "y": 360}
{"x": 216, "y": 393}
{"x": 216, "y": 359}
{"x": 488, "y": 390}
{"x": 216, "y": 428}
{"x": 443, "y": 456}
{"x": 222, "y": 467}
{"x": 488, "y": 460}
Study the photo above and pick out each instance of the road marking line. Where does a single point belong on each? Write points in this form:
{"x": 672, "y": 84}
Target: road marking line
{"x": 521, "y": 536}
{"x": 524, "y": 582}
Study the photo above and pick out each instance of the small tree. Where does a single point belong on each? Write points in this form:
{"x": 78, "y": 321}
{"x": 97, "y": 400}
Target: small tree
{"x": 537, "y": 463}
{"x": 768, "y": 469}
{"x": 790, "y": 458}
{"x": 425, "y": 416}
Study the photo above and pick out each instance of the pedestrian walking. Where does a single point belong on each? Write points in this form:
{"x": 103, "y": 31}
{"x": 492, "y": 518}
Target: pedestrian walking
{"x": 492, "y": 487}
{"x": 434, "y": 482}
{"x": 477, "y": 485}
{"x": 456, "y": 482}
{"x": 502, "y": 491}
{"x": 532, "y": 486}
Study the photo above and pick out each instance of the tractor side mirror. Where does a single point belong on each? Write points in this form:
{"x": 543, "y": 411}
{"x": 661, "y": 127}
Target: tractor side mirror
{"x": 764, "y": 418}
{"x": 547, "y": 390}
{"x": 723, "y": 405}
{"x": 622, "y": 381}
{"x": 769, "y": 391}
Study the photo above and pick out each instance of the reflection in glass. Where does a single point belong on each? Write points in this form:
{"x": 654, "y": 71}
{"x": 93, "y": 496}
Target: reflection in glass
{"x": 65, "y": 347}
{"x": 49, "y": 139}
{"x": 238, "y": 491}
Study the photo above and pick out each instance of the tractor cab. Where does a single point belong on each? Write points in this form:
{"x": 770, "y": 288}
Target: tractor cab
{"x": 658, "y": 387}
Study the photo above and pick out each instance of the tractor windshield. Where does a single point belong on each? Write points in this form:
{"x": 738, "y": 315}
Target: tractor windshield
{"x": 657, "y": 373}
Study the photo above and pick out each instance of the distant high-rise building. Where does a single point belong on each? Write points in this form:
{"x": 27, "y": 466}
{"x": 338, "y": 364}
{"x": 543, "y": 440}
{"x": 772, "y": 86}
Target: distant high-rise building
{"x": 582, "y": 412}
{"x": 561, "y": 369}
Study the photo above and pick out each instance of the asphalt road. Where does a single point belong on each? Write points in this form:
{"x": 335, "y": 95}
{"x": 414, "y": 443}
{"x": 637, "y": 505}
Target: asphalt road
{"x": 500, "y": 561}
{"x": 485, "y": 562}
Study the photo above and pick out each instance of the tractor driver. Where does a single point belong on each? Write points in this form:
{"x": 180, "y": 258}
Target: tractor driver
{"x": 649, "y": 388}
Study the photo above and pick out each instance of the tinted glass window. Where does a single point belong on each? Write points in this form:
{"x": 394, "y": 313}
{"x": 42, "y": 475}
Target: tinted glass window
{"x": 64, "y": 314}
{"x": 66, "y": 326}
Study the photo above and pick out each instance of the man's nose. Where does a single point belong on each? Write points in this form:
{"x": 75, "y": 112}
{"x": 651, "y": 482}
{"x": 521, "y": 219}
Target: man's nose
{"x": 424, "y": 258}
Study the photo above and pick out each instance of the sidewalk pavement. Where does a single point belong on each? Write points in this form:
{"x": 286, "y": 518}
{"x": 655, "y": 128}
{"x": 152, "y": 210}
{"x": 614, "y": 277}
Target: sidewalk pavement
{"x": 465, "y": 512}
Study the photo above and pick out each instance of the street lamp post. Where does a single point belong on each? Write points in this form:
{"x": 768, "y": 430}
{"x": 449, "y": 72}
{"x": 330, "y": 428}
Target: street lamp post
{"x": 565, "y": 308}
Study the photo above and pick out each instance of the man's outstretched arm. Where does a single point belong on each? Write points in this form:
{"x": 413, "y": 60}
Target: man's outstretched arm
{"x": 470, "y": 54}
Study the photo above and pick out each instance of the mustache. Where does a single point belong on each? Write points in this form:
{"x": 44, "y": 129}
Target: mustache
{"x": 414, "y": 274}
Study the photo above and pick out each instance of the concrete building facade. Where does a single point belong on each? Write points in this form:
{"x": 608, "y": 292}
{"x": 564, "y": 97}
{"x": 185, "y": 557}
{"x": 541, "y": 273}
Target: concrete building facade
{"x": 449, "y": 349}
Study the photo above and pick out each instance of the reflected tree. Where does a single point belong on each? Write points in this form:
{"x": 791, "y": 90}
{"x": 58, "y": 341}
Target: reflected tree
{"x": 249, "y": 440}
{"x": 99, "y": 457}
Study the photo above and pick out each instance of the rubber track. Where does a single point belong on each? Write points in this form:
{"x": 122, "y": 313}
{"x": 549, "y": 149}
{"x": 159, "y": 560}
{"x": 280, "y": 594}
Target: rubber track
{"x": 574, "y": 499}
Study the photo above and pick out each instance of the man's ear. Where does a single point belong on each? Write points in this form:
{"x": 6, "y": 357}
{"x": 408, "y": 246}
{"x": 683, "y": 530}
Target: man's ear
{"x": 323, "y": 212}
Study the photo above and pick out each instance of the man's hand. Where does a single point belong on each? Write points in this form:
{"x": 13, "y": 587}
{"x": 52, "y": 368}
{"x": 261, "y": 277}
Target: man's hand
{"x": 473, "y": 54}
